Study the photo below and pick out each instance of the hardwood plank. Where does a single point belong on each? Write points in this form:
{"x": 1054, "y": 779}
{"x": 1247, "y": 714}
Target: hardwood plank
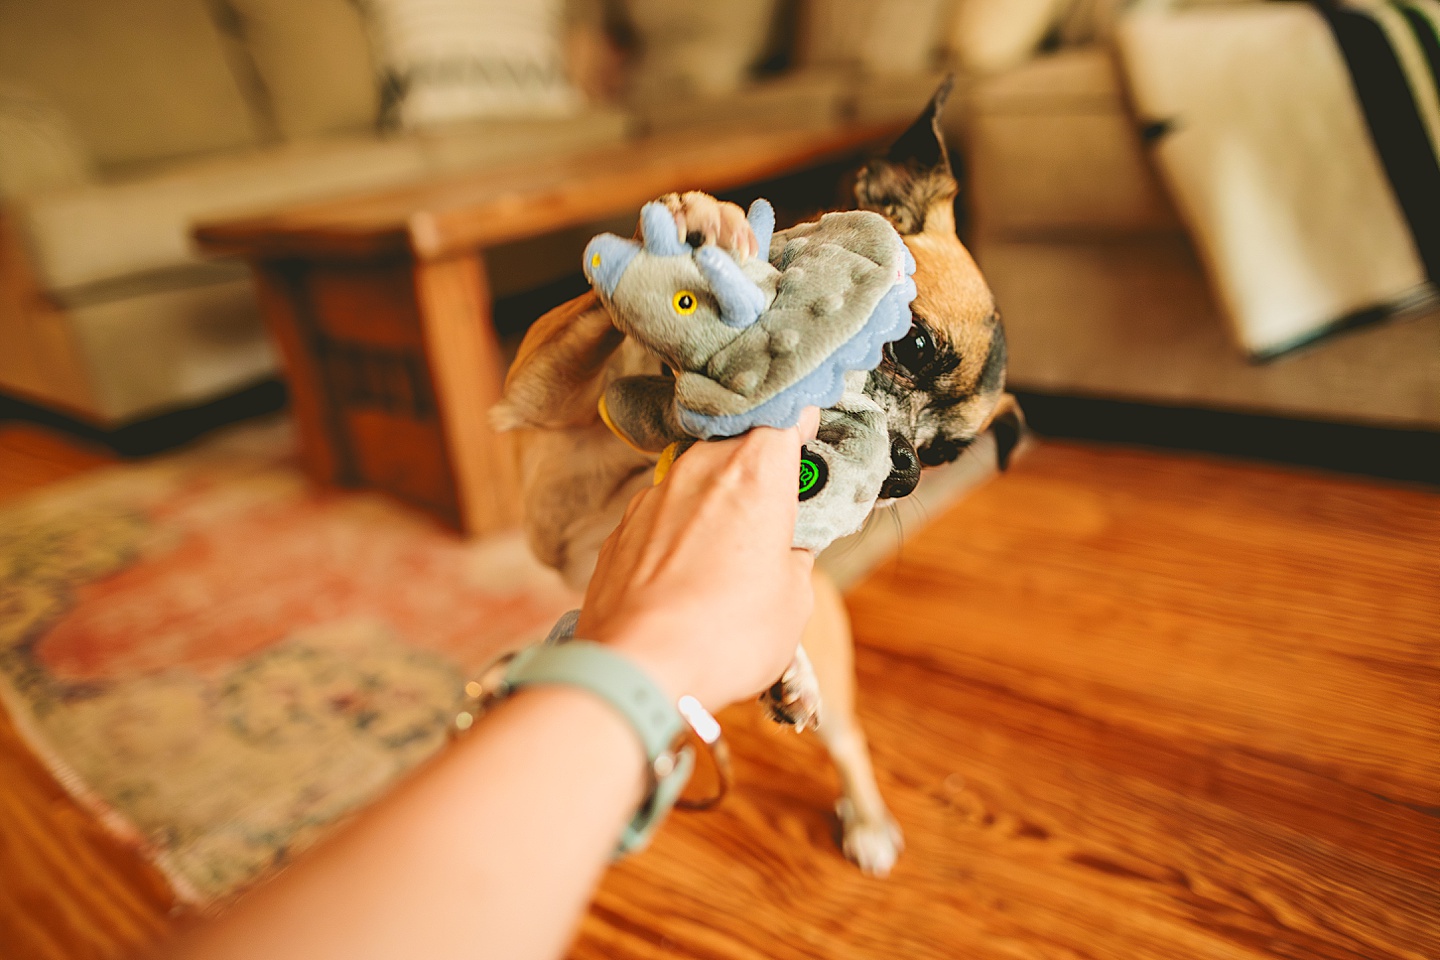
{"x": 1290, "y": 615}
{"x": 68, "y": 889}
{"x": 32, "y": 457}
{"x": 1125, "y": 704}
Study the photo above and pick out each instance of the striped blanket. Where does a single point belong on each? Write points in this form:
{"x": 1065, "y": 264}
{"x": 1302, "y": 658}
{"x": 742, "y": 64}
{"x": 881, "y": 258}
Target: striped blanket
{"x": 1300, "y": 142}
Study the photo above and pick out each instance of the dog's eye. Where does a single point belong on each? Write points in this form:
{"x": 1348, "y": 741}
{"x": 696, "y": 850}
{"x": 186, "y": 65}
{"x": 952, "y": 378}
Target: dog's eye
{"x": 913, "y": 352}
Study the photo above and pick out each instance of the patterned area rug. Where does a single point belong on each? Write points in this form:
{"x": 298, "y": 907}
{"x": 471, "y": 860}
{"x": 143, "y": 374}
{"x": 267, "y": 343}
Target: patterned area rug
{"x": 222, "y": 661}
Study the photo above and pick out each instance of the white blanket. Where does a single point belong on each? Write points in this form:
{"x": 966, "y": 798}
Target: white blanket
{"x": 1267, "y": 152}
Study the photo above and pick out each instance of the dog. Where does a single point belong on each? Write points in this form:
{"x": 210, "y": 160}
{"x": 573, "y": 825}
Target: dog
{"x": 941, "y": 386}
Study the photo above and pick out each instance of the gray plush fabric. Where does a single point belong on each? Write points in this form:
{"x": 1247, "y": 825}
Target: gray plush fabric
{"x": 755, "y": 330}
{"x": 837, "y": 269}
{"x": 820, "y": 286}
{"x": 855, "y": 444}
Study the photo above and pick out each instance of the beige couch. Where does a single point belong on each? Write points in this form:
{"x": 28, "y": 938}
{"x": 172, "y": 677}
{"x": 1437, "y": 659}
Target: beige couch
{"x": 121, "y": 124}
{"x": 162, "y": 114}
{"x": 1100, "y": 289}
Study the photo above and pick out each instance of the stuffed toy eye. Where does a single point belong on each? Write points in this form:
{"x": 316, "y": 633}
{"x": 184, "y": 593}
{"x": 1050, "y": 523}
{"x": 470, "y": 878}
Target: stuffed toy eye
{"x": 685, "y": 302}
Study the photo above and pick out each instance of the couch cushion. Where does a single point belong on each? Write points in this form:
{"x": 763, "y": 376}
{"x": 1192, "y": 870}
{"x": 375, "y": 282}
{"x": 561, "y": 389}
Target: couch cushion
{"x": 900, "y": 99}
{"x": 171, "y": 348}
{"x": 104, "y": 232}
{"x": 804, "y": 99}
{"x": 313, "y": 59}
{"x": 39, "y": 149}
{"x": 89, "y": 241}
{"x": 696, "y": 47}
{"x": 141, "y": 80}
{"x": 1053, "y": 150}
{"x": 470, "y": 146}
{"x": 880, "y": 37}
{"x": 443, "y": 61}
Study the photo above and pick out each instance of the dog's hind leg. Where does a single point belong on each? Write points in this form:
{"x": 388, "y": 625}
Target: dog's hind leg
{"x": 870, "y": 836}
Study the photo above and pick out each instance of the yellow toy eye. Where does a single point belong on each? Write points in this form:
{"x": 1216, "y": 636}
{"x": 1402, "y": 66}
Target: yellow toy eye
{"x": 594, "y": 260}
{"x": 685, "y": 302}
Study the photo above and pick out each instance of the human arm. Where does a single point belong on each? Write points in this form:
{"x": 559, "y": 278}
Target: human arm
{"x": 493, "y": 849}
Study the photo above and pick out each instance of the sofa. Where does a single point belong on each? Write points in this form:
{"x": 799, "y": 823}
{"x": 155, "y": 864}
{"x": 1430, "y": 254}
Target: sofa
{"x": 1100, "y": 288}
{"x": 121, "y": 125}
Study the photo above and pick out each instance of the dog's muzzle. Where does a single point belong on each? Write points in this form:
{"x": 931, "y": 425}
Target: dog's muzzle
{"x": 904, "y": 469}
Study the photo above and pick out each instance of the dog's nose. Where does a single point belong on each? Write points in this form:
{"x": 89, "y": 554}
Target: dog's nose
{"x": 939, "y": 451}
{"x": 904, "y": 470}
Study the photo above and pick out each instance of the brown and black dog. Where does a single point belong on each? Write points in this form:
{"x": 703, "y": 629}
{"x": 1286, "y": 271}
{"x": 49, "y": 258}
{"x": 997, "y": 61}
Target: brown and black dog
{"x": 941, "y": 386}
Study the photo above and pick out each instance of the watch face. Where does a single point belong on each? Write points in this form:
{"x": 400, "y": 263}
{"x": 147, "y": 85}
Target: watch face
{"x": 813, "y": 474}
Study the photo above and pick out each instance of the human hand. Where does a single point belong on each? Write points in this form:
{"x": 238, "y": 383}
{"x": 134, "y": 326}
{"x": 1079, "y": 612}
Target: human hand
{"x": 714, "y": 221}
{"x": 699, "y": 584}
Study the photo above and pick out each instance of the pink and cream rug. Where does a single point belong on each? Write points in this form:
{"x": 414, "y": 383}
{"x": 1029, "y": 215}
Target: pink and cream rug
{"x": 222, "y": 661}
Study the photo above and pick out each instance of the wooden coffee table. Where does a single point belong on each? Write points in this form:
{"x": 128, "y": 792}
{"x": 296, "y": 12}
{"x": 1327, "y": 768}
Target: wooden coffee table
{"x": 382, "y": 309}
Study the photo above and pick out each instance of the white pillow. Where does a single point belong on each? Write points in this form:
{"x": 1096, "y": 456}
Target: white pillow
{"x": 446, "y": 60}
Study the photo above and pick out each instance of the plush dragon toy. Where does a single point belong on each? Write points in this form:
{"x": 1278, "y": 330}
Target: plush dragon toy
{"x": 752, "y": 342}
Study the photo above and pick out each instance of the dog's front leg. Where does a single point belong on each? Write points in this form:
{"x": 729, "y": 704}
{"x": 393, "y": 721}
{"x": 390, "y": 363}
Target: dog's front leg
{"x": 795, "y": 697}
{"x": 869, "y": 834}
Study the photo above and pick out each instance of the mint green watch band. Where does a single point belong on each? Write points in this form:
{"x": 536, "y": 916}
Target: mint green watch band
{"x": 647, "y": 708}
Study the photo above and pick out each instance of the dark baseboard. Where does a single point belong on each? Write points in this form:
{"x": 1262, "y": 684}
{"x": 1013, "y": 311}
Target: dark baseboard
{"x": 154, "y": 434}
{"x": 1384, "y": 452}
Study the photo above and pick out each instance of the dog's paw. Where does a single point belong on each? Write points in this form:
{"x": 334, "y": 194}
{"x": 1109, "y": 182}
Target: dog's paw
{"x": 872, "y": 843}
{"x": 702, "y": 219}
{"x": 795, "y": 697}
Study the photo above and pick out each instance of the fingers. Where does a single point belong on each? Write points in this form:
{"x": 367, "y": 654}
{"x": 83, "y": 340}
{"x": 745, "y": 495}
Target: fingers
{"x": 768, "y": 455}
{"x": 809, "y": 424}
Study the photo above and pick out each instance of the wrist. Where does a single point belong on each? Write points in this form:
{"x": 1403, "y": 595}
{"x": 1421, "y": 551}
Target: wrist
{"x": 596, "y": 724}
{"x": 622, "y": 686}
{"x": 651, "y": 646}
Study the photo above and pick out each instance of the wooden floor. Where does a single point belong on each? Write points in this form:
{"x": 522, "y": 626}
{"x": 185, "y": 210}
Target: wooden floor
{"x": 1124, "y": 704}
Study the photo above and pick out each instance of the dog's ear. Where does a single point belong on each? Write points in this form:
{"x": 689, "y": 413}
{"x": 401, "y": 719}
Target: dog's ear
{"x": 913, "y": 184}
{"x": 1007, "y": 423}
{"x": 555, "y": 379}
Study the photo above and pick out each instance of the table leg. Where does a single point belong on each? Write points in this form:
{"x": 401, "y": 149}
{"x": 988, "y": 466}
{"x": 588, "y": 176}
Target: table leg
{"x": 393, "y": 365}
{"x": 280, "y": 287}
{"x": 468, "y": 371}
